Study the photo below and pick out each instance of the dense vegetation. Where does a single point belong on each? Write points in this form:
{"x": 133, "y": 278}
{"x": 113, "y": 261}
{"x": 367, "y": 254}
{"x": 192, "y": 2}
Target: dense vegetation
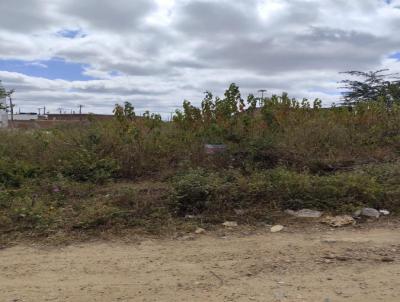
{"x": 141, "y": 171}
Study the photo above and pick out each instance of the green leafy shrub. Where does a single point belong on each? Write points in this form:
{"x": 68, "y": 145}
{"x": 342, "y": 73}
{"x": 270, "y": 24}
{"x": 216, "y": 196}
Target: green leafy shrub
{"x": 197, "y": 192}
{"x": 86, "y": 166}
{"x": 192, "y": 192}
{"x": 336, "y": 192}
{"x": 13, "y": 173}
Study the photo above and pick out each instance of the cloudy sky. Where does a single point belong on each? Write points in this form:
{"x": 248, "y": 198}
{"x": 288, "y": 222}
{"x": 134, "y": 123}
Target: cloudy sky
{"x": 155, "y": 53}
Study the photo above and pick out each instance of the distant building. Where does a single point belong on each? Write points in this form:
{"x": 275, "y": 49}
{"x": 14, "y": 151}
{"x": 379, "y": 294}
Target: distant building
{"x": 26, "y": 116}
{"x": 3, "y": 114}
{"x": 76, "y": 117}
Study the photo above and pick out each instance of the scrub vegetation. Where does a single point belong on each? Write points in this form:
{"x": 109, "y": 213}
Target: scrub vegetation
{"x": 139, "y": 171}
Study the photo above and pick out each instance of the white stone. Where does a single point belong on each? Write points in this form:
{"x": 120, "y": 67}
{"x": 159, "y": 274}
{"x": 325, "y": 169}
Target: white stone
{"x": 277, "y": 228}
{"x": 230, "y": 224}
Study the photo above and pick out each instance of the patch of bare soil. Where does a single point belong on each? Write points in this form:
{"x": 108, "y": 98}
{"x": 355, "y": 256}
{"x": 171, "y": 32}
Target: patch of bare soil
{"x": 320, "y": 265}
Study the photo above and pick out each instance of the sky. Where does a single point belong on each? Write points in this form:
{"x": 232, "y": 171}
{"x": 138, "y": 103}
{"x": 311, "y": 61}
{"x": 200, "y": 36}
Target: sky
{"x": 156, "y": 53}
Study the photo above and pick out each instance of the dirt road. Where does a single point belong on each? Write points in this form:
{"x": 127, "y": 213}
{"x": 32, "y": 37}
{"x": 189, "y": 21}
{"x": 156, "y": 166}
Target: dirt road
{"x": 326, "y": 266}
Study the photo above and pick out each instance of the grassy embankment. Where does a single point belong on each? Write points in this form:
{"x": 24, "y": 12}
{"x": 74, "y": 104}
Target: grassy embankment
{"x": 148, "y": 174}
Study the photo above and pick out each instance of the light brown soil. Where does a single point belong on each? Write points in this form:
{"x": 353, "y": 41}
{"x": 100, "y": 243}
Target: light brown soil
{"x": 319, "y": 265}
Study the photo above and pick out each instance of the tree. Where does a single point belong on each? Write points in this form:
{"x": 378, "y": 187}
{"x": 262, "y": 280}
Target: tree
{"x": 372, "y": 86}
{"x": 126, "y": 112}
{"x": 3, "y": 95}
{"x": 3, "y": 92}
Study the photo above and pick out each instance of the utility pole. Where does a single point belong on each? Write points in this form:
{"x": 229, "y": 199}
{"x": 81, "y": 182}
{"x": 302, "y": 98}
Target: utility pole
{"x": 262, "y": 94}
{"x": 40, "y": 110}
{"x": 80, "y": 109}
{"x": 11, "y": 106}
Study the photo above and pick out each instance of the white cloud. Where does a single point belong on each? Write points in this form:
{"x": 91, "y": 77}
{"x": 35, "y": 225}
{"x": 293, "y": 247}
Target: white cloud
{"x": 157, "y": 53}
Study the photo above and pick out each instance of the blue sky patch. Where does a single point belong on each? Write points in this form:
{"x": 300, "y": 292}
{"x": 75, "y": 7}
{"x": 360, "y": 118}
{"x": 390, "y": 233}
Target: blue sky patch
{"x": 71, "y": 33}
{"x": 395, "y": 56}
{"x": 52, "y": 69}
{"x": 115, "y": 73}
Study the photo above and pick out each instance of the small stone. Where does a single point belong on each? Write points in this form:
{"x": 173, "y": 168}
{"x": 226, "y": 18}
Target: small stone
{"x": 370, "y": 212}
{"x": 290, "y": 212}
{"x": 230, "y": 224}
{"x": 384, "y": 212}
{"x": 200, "y": 231}
{"x": 277, "y": 228}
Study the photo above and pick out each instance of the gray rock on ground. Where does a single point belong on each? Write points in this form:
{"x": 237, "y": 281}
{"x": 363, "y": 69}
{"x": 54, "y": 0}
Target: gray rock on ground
{"x": 370, "y": 212}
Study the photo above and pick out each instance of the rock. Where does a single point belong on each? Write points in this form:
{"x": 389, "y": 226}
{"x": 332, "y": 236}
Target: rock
{"x": 277, "y": 228}
{"x": 304, "y": 213}
{"x": 384, "y": 212}
{"x": 290, "y": 212}
{"x": 370, "y": 212}
{"x": 230, "y": 224}
{"x": 339, "y": 221}
{"x": 200, "y": 231}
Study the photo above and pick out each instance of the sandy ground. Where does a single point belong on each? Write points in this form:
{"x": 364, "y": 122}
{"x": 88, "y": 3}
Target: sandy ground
{"x": 325, "y": 265}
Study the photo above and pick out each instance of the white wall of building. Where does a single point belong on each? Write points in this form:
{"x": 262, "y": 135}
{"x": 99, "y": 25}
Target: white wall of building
{"x": 3, "y": 115}
{"x": 24, "y": 117}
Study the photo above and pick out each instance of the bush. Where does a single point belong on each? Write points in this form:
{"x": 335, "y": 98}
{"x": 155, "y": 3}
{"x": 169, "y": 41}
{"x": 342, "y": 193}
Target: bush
{"x": 213, "y": 194}
{"x": 192, "y": 192}
{"x": 200, "y": 192}
{"x": 13, "y": 173}
{"x": 284, "y": 154}
{"x": 336, "y": 192}
{"x": 85, "y": 166}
